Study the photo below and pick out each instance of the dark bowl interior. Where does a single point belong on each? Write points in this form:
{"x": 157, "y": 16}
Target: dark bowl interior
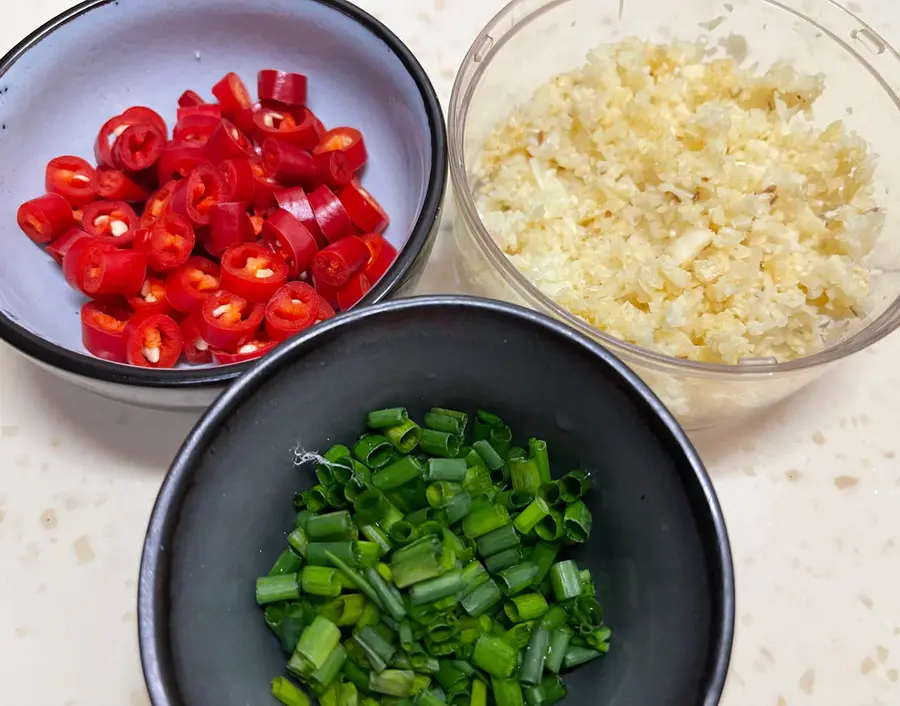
{"x": 659, "y": 549}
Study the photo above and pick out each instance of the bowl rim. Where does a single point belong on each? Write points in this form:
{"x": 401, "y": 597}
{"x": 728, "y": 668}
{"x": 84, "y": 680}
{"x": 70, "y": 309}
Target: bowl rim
{"x": 156, "y": 658}
{"x": 494, "y": 36}
{"x": 424, "y": 229}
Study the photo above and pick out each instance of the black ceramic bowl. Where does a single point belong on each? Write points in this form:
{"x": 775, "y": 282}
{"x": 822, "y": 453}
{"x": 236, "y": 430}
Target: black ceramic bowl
{"x": 62, "y": 82}
{"x": 659, "y": 549}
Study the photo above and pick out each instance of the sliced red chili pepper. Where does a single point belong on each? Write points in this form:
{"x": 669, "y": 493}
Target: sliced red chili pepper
{"x": 170, "y": 242}
{"x": 258, "y": 219}
{"x": 232, "y": 94}
{"x": 243, "y": 119}
{"x": 349, "y": 142}
{"x": 326, "y": 311}
{"x": 252, "y": 271}
{"x": 108, "y": 136}
{"x": 291, "y": 240}
{"x": 189, "y": 286}
{"x": 364, "y": 211}
{"x": 333, "y": 169}
{"x": 292, "y": 309}
{"x": 103, "y": 329}
{"x": 264, "y": 187}
{"x": 194, "y": 196}
{"x": 336, "y": 264}
{"x": 106, "y": 272}
{"x": 77, "y": 255}
{"x": 382, "y": 256}
{"x": 327, "y": 293}
{"x": 330, "y": 214}
{"x": 179, "y": 159}
{"x": 196, "y": 127}
{"x": 138, "y": 148}
{"x": 153, "y": 341}
{"x": 229, "y": 320}
{"x": 229, "y": 225}
{"x": 189, "y": 99}
{"x": 116, "y": 185}
{"x": 141, "y": 115}
{"x": 70, "y": 177}
{"x": 297, "y": 127}
{"x": 158, "y": 204}
{"x": 227, "y": 142}
{"x": 196, "y": 349}
{"x": 59, "y": 247}
{"x": 281, "y": 87}
{"x": 151, "y": 298}
{"x": 112, "y": 221}
{"x": 238, "y": 178}
{"x": 288, "y": 164}
{"x": 251, "y": 350}
{"x": 45, "y": 218}
{"x": 350, "y": 294}
{"x": 296, "y": 202}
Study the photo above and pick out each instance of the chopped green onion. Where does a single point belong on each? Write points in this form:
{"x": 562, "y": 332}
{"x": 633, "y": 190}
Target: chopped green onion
{"x": 515, "y": 499}
{"x": 287, "y": 693}
{"x": 525, "y": 607}
{"x": 317, "y": 642}
{"x": 434, "y": 589}
{"x": 576, "y": 656}
{"x": 345, "y": 611}
{"x": 348, "y": 552}
{"x": 479, "y": 693}
{"x": 441, "y": 492}
{"x": 517, "y": 578}
{"x": 377, "y": 536}
{"x": 559, "y": 646}
{"x": 500, "y": 539}
{"x": 374, "y": 450}
{"x": 301, "y": 518}
{"x": 543, "y": 556}
{"x": 552, "y": 527}
{"x": 393, "y": 682}
{"x": 333, "y": 526}
{"x": 315, "y": 498}
{"x": 485, "y": 517}
{"x": 505, "y": 559}
{"x": 371, "y": 507}
{"x": 399, "y": 473}
{"x": 566, "y": 580}
{"x": 289, "y": 562}
{"x": 349, "y": 695}
{"x": 507, "y": 692}
{"x": 438, "y": 443}
{"x": 457, "y": 508}
{"x": 378, "y": 651}
{"x": 574, "y": 485}
{"x": 549, "y": 692}
{"x": 270, "y": 589}
{"x": 537, "y": 449}
{"x": 420, "y": 565}
{"x": 384, "y": 418}
{"x": 482, "y": 598}
{"x": 473, "y": 575}
{"x": 495, "y": 656}
{"x": 320, "y": 581}
{"x": 478, "y": 480}
{"x": 520, "y": 634}
{"x": 293, "y": 623}
{"x": 426, "y": 698}
{"x": 577, "y": 521}
{"x": 405, "y": 437}
{"x": 402, "y": 532}
{"x": 385, "y": 596}
{"x": 525, "y": 475}
{"x": 456, "y": 414}
{"x": 446, "y": 469}
{"x": 550, "y": 493}
{"x": 488, "y": 455}
{"x": 535, "y": 657}
{"x": 444, "y": 423}
{"x": 322, "y": 677}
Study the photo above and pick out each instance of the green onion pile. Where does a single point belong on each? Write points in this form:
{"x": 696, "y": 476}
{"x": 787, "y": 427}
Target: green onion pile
{"x": 424, "y": 569}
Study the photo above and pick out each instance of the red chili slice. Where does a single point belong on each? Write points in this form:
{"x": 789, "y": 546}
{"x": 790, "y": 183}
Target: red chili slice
{"x": 286, "y": 236}
{"x": 227, "y": 142}
{"x": 251, "y": 350}
{"x": 108, "y": 136}
{"x": 298, "y": 127}
{"x": 170, "y": 242}
{"x": 232, "y": 94}
{"x": 333, "y": 169}
{"x": 328, "y": 294}
{"x": 229, "y": 225}
{"x": 253, "y": 272}
{"x": 228, "y": 320}
{"x": 347, "y": 141}
{"x": 179, "y": 159}
{"x": 292, "y": 309}
{"x": 103, "y": 329}
{"x": 112, "y": 221}
{"x": 138, "y": 148}
{"x": 196, "y": 127}
{"x": 350, "y": 294}
{"x": 153, "y": 341}
{"x": 141, "y": 115}
{"x": 288, "y": 164}
{"x": 382, "y": 256}
{"x": 194, "y": 196}
{"x": 116, "y": 185}
{"x": 151, "y": 298}
{"x": 71, "y": 178}
{"x": 264, "y": 187}
{"x": 336, "y": 264}
{"x": 196, "y": 349}
{"x": 238, "y": 179}
{"x": 45, "y": 218}
{"x": 78, "y": 253}
{"x": 190, "y": 285}
{"x": 158, "y": 204}
{"x": 59, "y": 247}
{"x": 208, "y": 109}
{"x": 189, "y": 99}
{"x": 296, "y": 202}
{"x": 281, "y": 87}
{"x": 105, "y": 272}
{"x": 243, "y": 120}
{"x": 326, "y": 311}
{"x": 330, "y": 214}
{"x": 364, "y": 211}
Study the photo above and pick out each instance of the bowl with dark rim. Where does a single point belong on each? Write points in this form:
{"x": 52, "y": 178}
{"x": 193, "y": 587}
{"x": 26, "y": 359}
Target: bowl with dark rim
{"x": 63, "y": 81}
{"x": 659, "y": 549}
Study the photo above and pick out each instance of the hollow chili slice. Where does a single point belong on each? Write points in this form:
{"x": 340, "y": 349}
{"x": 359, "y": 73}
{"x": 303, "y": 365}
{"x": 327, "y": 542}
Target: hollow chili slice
{"x": 232, "y": 94}
{"x": 45, "y": 218}
{"x": 364, "y": 211}
{"x": 330, "y": 214}
{"x": 381, "y": 256}
{"x": 325, "y": 312}
{"x": 227, "y": 142}
{"x": 196, "y": 127}
{"x": 347, "y": 141}
{"x": 103, "y": 329}
{"x": 333, "y": 169}
{"x": 336, "y": 264}
{"x": 288, "y": 164}
{"x": 194, "y": 196}
{"x": 70, "y": 177}
{"x": 296, "y": 202}
{"x": 116, "y": 185}
{"x": 229, "y": 225}
{"x": 286, "y": 236}
{"x": 108, "y": 136}
{"x": 292, "y": 309}
{"x": 328, "y": 294}
{"x": 238, "y": 179}
{"x": 76, "y": 257}
{"x": 190, "y": 285}
{"x": 107, "y": 272}
{"x": 59, "y": 247}
{"x": 170, "y": 242}
{"x": 350, "y": 294}
{"x": 189, "y": 99}
{"x": 264, "y": 186}
{"x": 298, "y": 127}
{"x": 281, "y": 87}
{"x": 253, "y": 272}
{"x": 243, "y": 119}
{"x": 196, "y": 349}
{"x": 142, "y": 115}
{"x": 158, "y": 204}
{"x": 180, "y": 158}
{"x": 112, "y": 221}
{"x": 138, "y": 148}
{"x": 153, "y": 341}
{"x": 251, "y": 350}
{"x": 228, "y": 320}
{"x": 151, "y": 299}
{"x": 209, "y": 109}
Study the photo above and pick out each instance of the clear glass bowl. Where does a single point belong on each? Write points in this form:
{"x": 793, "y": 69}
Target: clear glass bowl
{"x": 531, "y": 41}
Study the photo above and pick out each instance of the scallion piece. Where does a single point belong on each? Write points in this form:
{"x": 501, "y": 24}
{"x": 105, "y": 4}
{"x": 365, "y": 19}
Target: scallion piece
{"x": 402, "y": 533}
{"x": 320, "y": 581}
{"x": 349, "y": 695}
{"x": 441, "y": 492}
{"x": 484, "y": 517}
{"x": 479, "y": 693}
{"x": 543, "y": 556}
{"x": 384, "y": 418}
{"x": 574, "y": 485}
{"x": 426, "y": 698}
{"x": 500, "y": 437}
{"x": 525, "y": 607}
{"x": 529, "y": 518}
{"x": 378, "y": 651}
{"x": 488, "y": 454}
{"x": 549, "y": 692}
{"x": 345, "y": 611}
{"x": 537, "y": 449}
{"x": 445, "y": 469}
{"x": 331, "y": 527}
{"x": 517, "y": 578}
{"x": 322, "y": 677}
{"x": 421, "y": 565}
{"x": 478, "y": 479}
{"x": 535, "y": 656}
{"x": 405, "y": 437}
{"x": 482, "y": 598}
{"x": 495, "y": 656}
{"x": 399, "y": 473}
{"x": 438, "y": 443}
{"x": 293, "y": 623}
{"x": 316, "y": 643}
{"x": 377, "y": 536}
{"x": 287, "y": 693}
{"x": 577, "y": 521}
{"x": 473, "y": 575}
{"x": 505, "y": 559}
{"x": 392, "y": 682}
{"x": 348, "y": 552}
{"x": 552, "y": 527}
{"x": 457, "y": 508}
{"x": 315, "y": 498}
{"x": 387, "y": 599}
{"x": 566, "y": 580}
{"x": 551, "y": 495}
{"x": 270, "y": 589}
{"x": 448, "y": 584}
{"x": 289, "y": 562}
{"x": 514, "y": 499}
{"x": 442, "y": 422}
{"x": 354, "y": 673}
{"x": 577, "y": 656}
{"x": 525, "y": 475}
{"x": 560, "y": 639}
{"x": 520, "y": 633}
{"x": 374, "y": 450}
{"x": 500, "y": 539}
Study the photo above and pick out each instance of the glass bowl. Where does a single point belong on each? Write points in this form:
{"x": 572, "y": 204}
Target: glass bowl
{"x": 531, "y": 41}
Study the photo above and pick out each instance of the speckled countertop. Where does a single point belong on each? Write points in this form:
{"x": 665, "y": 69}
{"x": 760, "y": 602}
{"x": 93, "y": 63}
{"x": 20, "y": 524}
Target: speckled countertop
{"x": 811, "y": 492}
